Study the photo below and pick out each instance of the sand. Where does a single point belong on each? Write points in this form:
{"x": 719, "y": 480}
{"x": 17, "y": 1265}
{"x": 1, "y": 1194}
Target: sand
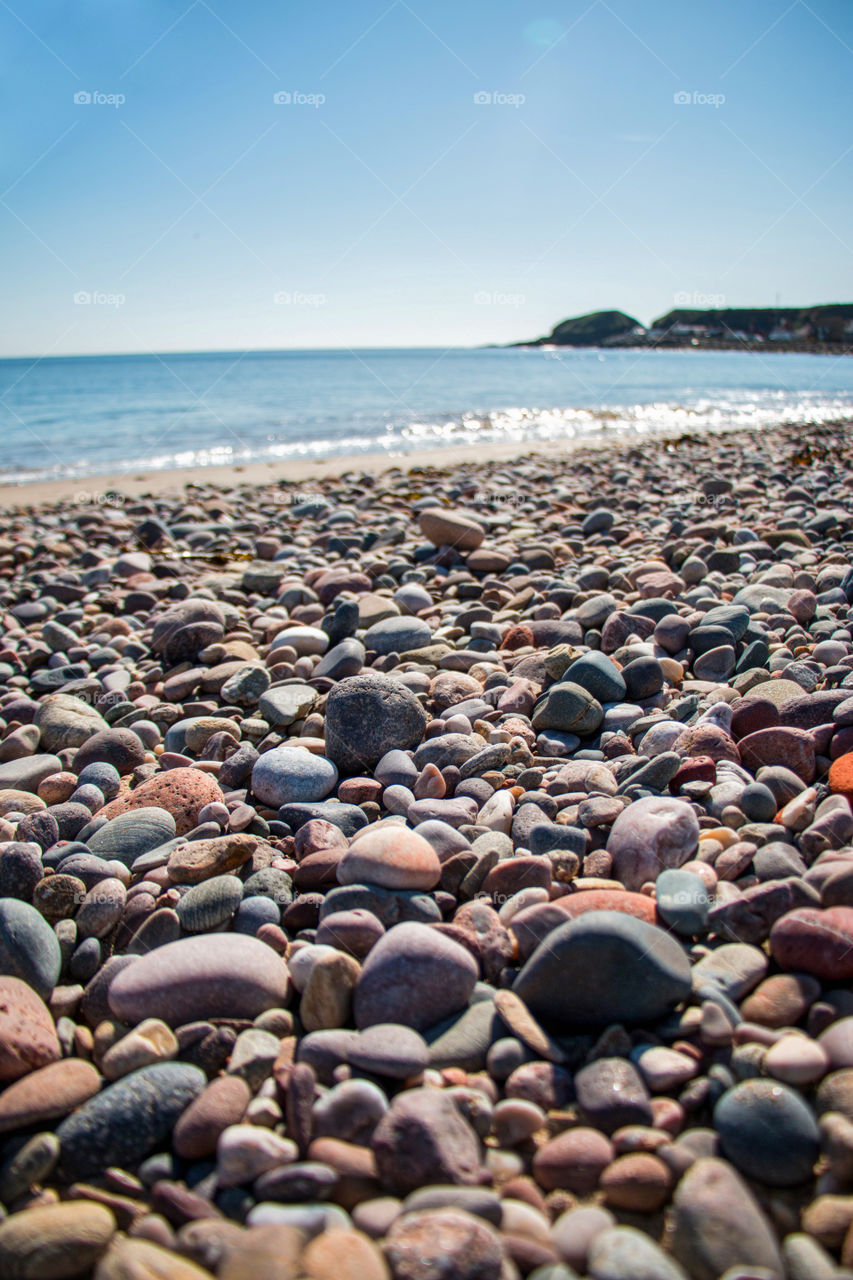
{"x": 134, "y": 484}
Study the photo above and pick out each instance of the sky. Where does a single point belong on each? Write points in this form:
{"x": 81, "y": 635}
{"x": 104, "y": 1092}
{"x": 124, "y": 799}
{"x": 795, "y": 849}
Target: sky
{"x": 187, "y": 175}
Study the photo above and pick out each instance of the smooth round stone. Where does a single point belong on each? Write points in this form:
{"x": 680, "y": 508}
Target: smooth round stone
{"x": 758, "y": 803}
{"x": 599, "y": 675}
{"x": 573, "y": 1161}
{"x": 683, "y": 902}
{"x": 26, "y": 773}
{"x": 55, "y": 1241}
{"x": 129, "y": 835}
{"x": 283, "y": 704}
{"x": 816, "y": 942}
{"x": 66, "y": 722}
{"x": 574, "y": 1232}
{"x": 211, "y": 904}
{"x": 305, "y": 640}
{"x": 47, "y": 1093}
{"x": 253, "y": 913}
{"x": 397, "y": 635}
{"x": 353, "y": 931}
{"x": 121, "y": 749}
{"x": 345, "y": 659}
{"x": 390, "y": 1050}
{"x": 350, "y": 1111}
{"x": 650, "y": 836}
{"x": 121, "y": 1125}
{"x": 605, "y": 967}
{"x": 391, "y": 856}
{"x": 415, "y": 976}
{"x": 797, "y": 1060}
{"x": 611, "y": 1094}
{"x": 735, "y": 967}
{"x": 27, "y": 1032}
{"x": 291, "y": 774}
{"x": 625, "y": 1253}
{"x": 29, "y": 948}
{"x": 717, "y": 1223}
{"x": 781, "y": 1001}
{"x": 369, "y": 716}
{"x": 218, "y": 976}
{"x": 445, "y": 528}
{"x": 568, "y": 708}
{"x": 837, "y": 1043}
{"x": 768, "y": 1132}
{"x": 220, "y": 1104}
{"x": 101, "y": 909}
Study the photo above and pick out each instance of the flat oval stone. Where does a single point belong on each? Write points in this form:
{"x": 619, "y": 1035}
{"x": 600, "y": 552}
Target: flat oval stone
{"x": 415, "y": 976}
{"x": 27, "y": 1032}
{"x": 816, "y": 942}
{"x": 128, "y": 835}
{"x": 219, "y": 976}
{"x": 394, "y": 857}
{"x": 390, "y": 1050}
{"x": 717, "y": 1223}
{"x": 650, "y": 836}
{"x": 446, "y": 528}
{"x": 768, "y": 1132}
{"x": 121, "y": 1125}
{"x": 47, "y": 1093}
{"x": 54, "y": 1241}
{"x": 291, "y": 774}
{"x": 209, "y": 905}
{"x": 683, "y": 902}
{"x": 605, "y": 967}
{"x": 29, "y": 948}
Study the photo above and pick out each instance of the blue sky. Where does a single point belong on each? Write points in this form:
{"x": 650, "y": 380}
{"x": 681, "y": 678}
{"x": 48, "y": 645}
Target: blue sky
{"x": 438, "y": 172}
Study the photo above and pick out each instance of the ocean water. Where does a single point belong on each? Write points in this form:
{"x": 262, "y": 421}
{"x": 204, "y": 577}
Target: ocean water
{"x": 89, "y": 415}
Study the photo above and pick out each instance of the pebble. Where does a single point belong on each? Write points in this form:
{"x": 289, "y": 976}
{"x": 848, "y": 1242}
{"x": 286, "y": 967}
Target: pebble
{"x": 415, "y": 976}
{"x": 767, "y": 1132}
{"x": 127, "y": 1120}
{"x": 203, "y": 977}
{"x": 392, "y": 857}
{"x": 604, "y": 967}
{"x": 288, "y": 774}
{"x": 55, "y": 1240}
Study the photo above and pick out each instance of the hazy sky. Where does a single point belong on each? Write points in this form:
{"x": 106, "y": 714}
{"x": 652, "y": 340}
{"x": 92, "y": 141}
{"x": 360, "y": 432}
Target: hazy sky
{"x": 434, "y": 172}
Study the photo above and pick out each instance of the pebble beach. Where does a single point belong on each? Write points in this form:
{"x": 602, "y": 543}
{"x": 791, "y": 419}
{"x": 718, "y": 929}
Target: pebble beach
{"x": 432, "y": 872}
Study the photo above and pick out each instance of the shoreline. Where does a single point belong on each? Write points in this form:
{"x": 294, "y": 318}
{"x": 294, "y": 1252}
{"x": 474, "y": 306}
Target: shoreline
{"x": 93, "y": 490}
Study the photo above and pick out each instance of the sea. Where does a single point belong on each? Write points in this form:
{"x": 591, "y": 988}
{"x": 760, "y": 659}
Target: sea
{"x": 77, "y": 416}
